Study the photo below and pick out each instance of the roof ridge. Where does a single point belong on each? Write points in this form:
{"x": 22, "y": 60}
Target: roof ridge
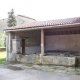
{"x": 26, "y": 17}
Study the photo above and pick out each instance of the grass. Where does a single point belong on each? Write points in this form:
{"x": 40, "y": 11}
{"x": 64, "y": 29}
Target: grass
{"x": 2, "y": 47}
{"x": 2, "y": 57}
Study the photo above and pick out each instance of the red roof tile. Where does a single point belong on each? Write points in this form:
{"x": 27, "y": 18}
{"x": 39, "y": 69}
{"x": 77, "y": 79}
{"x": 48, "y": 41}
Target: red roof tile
{"x": 47, "y": 23}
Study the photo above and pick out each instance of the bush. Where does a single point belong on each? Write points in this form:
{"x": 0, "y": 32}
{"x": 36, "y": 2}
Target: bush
{"x": 2, "y": 59}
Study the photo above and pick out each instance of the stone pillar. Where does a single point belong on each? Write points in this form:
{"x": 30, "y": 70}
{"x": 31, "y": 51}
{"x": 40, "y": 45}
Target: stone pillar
{"x": 42, "y": 45}
{"x": 9, "y": 36}
{"x": 9, "y": 46}
{"x": 7, "y": 49}
{"x": 42, "y": 41}
{"x": 15, "y": 49}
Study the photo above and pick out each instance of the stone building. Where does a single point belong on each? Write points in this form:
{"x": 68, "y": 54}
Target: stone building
{"x": 20, "y": 20}
{"x": 45, "y": 42}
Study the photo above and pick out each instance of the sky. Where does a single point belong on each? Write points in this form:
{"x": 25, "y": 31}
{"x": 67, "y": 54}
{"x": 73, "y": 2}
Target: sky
{"x": 41, "y": 9}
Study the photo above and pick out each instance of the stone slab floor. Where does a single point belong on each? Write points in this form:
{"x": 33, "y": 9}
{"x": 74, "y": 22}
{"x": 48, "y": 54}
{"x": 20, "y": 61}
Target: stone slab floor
{"x": 10, "y": 73}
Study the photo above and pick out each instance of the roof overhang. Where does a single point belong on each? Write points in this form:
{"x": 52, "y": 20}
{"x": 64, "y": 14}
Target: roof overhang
{"x": 43, "y": 27}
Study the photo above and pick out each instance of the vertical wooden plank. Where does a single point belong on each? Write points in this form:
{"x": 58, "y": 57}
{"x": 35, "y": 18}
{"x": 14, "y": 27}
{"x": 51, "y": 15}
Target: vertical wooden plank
{"x": 23, "y": 46}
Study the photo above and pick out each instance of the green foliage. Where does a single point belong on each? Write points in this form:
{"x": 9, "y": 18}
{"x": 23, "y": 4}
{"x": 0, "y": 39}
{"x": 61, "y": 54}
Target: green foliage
{"x": 2, "y": 59}
{"x": 11, "y": 19}
{"x": 2, "y": 39}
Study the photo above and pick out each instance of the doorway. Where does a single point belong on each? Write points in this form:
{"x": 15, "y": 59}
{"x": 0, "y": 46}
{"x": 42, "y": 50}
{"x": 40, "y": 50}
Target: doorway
{"x": 23, "y": 46}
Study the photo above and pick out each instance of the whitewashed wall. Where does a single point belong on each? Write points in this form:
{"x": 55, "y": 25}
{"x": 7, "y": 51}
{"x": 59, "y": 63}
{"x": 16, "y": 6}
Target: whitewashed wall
{"x": 30, "y": 50}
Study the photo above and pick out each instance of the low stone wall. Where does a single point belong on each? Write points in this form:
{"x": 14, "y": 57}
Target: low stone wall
{"x": 32, "y": 59}
{"x": 50, "y": 60}
{"x": 60, "y": 61}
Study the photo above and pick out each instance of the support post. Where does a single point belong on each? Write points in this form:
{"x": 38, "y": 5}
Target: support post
{"x": 42, "y": 41}
{"x": 10, "y": 47}
{"x": 42, "y": 45}
{"x": 7, "y": 47}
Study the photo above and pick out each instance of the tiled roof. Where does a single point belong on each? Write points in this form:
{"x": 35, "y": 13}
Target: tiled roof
{"x": 47, "y": 23}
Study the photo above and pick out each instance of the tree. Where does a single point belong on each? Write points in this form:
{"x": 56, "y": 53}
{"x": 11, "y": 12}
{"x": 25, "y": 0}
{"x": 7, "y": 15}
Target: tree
{"x": 11, "y": 19}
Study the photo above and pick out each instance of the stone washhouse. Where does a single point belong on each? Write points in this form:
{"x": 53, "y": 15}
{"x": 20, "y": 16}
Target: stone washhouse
{"x": 54, "y": 42}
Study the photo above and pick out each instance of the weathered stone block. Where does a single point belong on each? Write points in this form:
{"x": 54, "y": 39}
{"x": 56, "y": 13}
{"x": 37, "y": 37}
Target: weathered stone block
{"x": 53, "y": 60}
{"x": 56, "y": 60}
{"x": 37, "y": 61}
{"x": 47, "y": 59}
{"x": 23, "y": 59}
{"x": 33, "y": 58}
{"x": 18, "y": 57}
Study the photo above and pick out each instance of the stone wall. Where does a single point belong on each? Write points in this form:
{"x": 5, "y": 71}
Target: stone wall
{"x": 47, "y": 60}
{"x": 60, "y": 61}
{"x": 32, "y": 45}
{"x": 31, "y": 59}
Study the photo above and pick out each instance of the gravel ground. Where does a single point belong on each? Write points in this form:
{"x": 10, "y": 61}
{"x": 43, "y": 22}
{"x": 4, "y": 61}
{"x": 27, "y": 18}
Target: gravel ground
{"x": 18, "y": 73}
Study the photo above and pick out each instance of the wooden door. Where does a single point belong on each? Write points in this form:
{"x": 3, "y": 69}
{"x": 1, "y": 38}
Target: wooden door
{"x": 23, "y": 46}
